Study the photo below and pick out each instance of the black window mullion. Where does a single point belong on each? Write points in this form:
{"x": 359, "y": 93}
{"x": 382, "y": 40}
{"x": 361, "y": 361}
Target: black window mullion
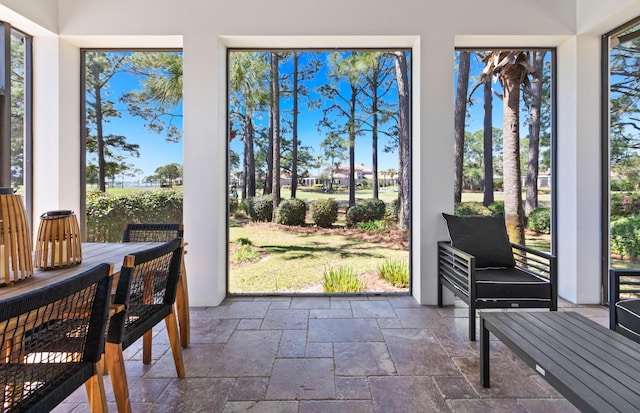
{"x": 5, "y": 105}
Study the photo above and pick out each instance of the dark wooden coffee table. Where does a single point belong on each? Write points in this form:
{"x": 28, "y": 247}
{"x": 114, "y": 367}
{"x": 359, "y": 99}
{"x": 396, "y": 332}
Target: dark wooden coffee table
{"x": 596, "y": 369}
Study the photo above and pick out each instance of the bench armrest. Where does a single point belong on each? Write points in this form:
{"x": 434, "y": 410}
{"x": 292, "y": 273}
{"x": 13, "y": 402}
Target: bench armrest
{"x": 629, "y": 286}
{"x": 456, "y": 266}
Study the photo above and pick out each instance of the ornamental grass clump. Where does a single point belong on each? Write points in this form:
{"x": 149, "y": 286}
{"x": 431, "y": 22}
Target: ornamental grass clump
{"x": 245, "y": 252}
{"x": 342, "y": 280}
{"x": 396, "y": 272}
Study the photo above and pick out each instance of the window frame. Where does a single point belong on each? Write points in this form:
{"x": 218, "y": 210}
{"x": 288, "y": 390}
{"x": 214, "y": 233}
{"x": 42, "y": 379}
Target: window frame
{"x": 6, "y": 31}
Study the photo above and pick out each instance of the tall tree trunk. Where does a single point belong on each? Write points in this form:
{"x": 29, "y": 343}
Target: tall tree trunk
{"x": 404, "y": 139}
{"x": 513, "y": 210}
{"x": 268, "y": 180}
{"x": 374, "y": 132}
{"x": 534, "y": 134}
{"x": 352, "y": 145}
{"x": 488, "y": 144}
{"x": 102, "y": 186}
{"x": 294, "y": 143}
{"x": 459, "y": 121}
{"x": 275, "y": 129}
{"x": 249, "y": 170}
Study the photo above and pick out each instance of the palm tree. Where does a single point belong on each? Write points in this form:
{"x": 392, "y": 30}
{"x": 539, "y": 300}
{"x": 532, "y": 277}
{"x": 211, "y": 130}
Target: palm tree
{"x": 275, "y": 133}
{"x": 459, "y": 122}
{"x": 512, "y": 68}
{"x": 535, "y": 97}
{"x": 404, "y": 138}
{"x": 248, "y": 94}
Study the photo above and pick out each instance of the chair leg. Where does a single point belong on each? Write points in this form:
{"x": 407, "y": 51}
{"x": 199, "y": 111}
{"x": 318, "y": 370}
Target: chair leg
{"x": 439, "y": 293}
{"x": 95, "y": 389}
{"x": 472, "y": 322}
{"x": 174, "y": 340}
{"x": 182, "y": 308}
{"x": 118, "y": 374}
{"x": 146, "y": 347}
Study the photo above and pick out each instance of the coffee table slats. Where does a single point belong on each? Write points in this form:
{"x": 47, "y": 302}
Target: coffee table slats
{"x": 582, "y": 371}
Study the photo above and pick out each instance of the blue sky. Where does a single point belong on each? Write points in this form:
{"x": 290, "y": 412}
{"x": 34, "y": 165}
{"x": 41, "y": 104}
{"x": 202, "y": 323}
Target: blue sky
{"x": 155, "y": 151}
{"x": 308, "y": 133}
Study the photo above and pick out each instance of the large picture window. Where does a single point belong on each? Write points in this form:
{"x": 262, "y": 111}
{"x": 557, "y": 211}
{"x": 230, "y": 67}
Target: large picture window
{"x": 132, "y": 141}
{"x": 319, "y": 171}
{"x": 621, "y": 148}
{"x": 16, "y": 112}
{"x": 504, "y": 140}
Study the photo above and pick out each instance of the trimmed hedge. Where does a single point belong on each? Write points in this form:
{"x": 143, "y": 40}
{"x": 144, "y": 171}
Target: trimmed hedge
{"x": 539, "y": 220}
{"x": 324, "y": 212}
{"x": 471, "y": 208}
{"x": 625, "y": 237}
{"x": 108, "y": 214}
{"x": 355, "y": 214}
{"x": 291, "y": 212}
{"x": 261, "y": 208}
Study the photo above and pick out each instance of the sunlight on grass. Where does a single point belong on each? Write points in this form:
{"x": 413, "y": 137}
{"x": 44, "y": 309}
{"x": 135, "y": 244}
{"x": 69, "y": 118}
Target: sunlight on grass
{"x": 296, "y": 261}
{"x": 395, "y": 272}
{"x": 342, "y": 280}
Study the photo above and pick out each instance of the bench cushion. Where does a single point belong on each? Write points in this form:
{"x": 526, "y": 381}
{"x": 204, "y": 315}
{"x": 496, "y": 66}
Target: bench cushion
{"x": 511, "y": 283}
{"x": 484, "y": 237}
{"x": 628, "y": 316}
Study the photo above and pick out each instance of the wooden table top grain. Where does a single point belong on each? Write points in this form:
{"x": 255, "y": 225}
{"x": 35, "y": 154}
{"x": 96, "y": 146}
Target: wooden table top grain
{"x": 92, "y": 255}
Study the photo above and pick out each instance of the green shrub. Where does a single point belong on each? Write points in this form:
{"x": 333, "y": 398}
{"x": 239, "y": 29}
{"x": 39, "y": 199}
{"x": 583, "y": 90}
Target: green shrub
{"x": 625, "y": 237}
{"x": 396, "y": 272}
{"x": 244, "y": 206}
{"x": 539, "y": 220}
{"x": 624, "y": 204}
{"x": 355, "y": 214}
{"x": 291, "y": 212}
{"x": 261, "y": 208}
{"x": 243, "y": 241}
{"x": 622, "y": 185}
{"x": 374, "y": 209}
{"x": 391, "y": 212}
{"x": 471, "y": 208}
{"x": 316, "y": 186}
{"x": 496, "y": 207}
{"x": 233, "y": 205}
{"x": 324, "y": 212}
{"x": 373, "y": 226}
{"x": 108, "y": 214}
{"x": 245, "y": 253}
{"x": 342, "y": 280}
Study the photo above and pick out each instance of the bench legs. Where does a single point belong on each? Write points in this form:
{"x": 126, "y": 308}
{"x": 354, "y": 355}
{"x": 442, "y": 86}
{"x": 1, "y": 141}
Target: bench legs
{"x": 472, "y": 322}
{"x": 484, "y": 355}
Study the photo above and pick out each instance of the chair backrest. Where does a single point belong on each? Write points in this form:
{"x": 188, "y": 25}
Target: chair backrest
{"x": 147, "y": 288}
{"x": 152, "y": 232}
{"x": 49, "y": 335}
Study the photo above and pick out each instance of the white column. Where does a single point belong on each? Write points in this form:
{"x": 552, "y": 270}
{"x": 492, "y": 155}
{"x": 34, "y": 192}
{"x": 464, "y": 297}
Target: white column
{"x": 205, "y": 148}
{"x": 578, "y": 172}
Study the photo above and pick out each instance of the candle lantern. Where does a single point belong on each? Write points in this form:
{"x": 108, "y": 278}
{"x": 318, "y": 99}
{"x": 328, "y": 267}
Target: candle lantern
{"x": 15, "y": 239}
{"x": 59, "y": 242}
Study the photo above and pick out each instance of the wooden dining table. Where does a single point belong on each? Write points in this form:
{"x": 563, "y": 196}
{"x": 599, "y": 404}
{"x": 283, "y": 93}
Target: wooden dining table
{"x": 94, "y": 253}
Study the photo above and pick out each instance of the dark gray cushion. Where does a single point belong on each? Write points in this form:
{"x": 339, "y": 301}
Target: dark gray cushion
{"x": 628, "y": 316}
{"x": 484, "y": 237}
{"x": 512, "y": 284}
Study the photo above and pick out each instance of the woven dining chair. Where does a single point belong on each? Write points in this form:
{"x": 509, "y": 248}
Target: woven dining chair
{"x": 162, "y": 233}
{"x": 52, "y": 342}
{"x": 147, "y": 290}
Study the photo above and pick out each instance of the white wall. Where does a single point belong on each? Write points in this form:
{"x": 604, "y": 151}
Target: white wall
{"x": 432, "y": 28}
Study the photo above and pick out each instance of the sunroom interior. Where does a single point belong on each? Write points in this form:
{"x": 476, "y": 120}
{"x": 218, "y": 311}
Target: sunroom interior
{"x": 432, "y": 30}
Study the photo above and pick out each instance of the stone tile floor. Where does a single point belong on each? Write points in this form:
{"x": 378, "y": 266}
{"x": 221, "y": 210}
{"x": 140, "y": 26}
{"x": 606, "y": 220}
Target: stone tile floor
{"x": 332, "y": 354}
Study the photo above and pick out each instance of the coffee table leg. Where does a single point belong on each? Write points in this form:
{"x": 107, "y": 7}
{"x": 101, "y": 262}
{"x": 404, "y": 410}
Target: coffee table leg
{"x": 484, "y": 355}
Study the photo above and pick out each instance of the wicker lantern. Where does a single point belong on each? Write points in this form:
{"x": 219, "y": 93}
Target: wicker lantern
{"x": 15, "y": 239}
{"x": 59, "y": 242}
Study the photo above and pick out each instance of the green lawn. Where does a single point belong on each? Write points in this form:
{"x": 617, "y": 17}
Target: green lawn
{"x": 544, "y": 199}
{"x": 294, "y": 261}
{"x": 385, "y": 194}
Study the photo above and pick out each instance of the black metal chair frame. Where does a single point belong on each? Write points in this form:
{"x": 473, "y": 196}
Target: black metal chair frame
{"x": 147, "y": 288}
{"x": 457, "y": 272}
{"x": 52, "y": 342}
{"x": 623, "y": 282}
{"x": 163, "y": 233}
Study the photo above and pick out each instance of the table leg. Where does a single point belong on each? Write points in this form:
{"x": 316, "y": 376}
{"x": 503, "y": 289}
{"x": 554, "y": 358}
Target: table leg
{"x": 484, "y": 355}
